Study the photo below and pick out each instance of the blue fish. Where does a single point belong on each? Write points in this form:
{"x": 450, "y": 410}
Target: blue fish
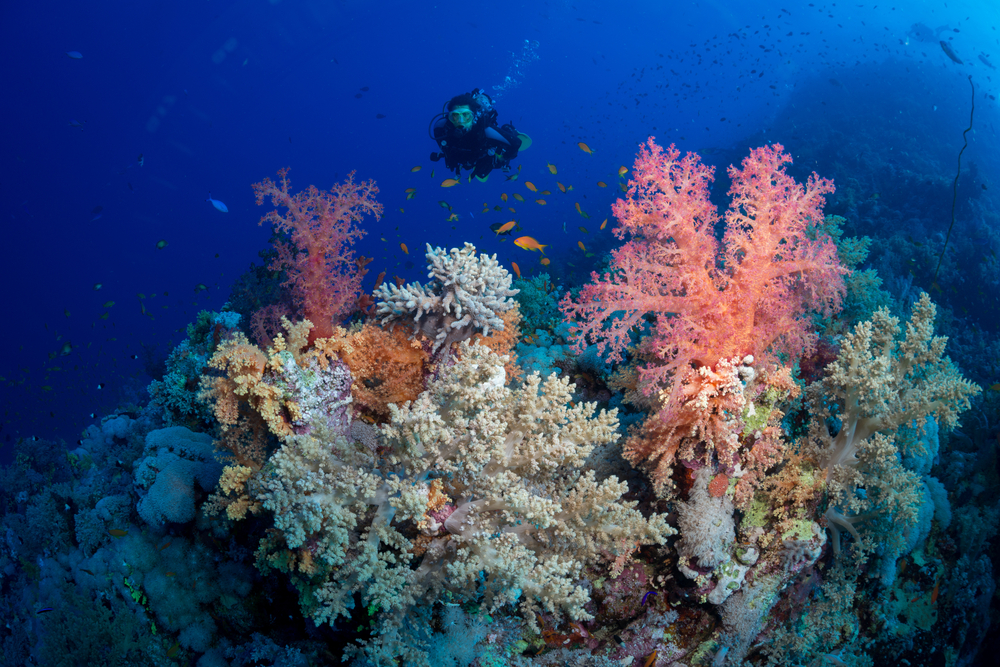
{"x": 219, "y": 206}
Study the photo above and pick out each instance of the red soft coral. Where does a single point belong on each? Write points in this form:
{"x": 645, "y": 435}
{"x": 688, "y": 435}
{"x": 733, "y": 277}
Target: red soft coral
{"x": 752, "y": 298}
{"x": 319, "y": 263}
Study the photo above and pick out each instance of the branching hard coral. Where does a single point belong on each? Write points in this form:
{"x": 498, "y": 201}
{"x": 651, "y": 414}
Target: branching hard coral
{"x": 466, "y": 295}
{"x": 319, "y": 263}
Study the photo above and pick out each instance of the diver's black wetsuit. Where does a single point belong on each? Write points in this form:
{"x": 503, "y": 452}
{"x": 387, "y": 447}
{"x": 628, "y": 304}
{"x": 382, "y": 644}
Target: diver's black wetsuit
{"x": 481, "y": 148}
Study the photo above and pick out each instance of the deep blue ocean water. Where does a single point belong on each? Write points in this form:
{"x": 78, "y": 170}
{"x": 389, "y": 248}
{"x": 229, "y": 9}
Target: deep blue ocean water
{"x": 217, "y": 95}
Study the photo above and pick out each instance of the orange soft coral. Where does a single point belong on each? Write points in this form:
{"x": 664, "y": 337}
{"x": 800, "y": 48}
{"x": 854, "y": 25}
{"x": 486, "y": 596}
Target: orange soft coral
{"x": 502, "y": 341}
{"x": 387, "y": 368}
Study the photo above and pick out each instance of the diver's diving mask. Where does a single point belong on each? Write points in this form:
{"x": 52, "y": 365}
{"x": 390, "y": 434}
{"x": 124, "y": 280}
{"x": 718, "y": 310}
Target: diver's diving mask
{"x": 461, "y": 117}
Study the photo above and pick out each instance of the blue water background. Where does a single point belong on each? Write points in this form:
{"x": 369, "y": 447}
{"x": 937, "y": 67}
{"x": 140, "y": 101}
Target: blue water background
{"x": 217, "y": 95}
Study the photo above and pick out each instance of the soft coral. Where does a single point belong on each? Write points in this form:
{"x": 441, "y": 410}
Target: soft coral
{"x": 319, "y": 263}
{"x": 749, "y": 300}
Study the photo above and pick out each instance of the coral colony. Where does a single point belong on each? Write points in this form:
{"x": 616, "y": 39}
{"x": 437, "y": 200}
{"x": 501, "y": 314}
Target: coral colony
{"x": 694, "y": 459}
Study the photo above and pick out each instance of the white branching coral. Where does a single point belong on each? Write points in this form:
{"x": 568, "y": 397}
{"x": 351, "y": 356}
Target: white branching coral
{"x": 877, "y": 384}
{"x": 477, "y": 496}
{"x": 466, "y": 295}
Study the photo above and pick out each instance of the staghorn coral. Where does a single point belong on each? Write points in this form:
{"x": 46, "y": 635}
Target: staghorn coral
{"x": 492, "y": 476}
{"x": 466, "y": 295}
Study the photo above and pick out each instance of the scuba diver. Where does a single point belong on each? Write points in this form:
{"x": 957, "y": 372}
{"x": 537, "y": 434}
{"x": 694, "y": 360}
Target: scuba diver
{"x": 468, "y": 136}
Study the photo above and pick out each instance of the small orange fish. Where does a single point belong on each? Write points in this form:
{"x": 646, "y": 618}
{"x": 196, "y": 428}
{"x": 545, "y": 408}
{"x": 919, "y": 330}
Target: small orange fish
{"x": 402, "y": 246}
{"x": 409, "y": 190}
{"x": 503, "y": 197}
{"x": 452, "y": 218}
{"x": 580, "y": 211}
{"x": 622, "y": 187}
{"x": 401, "y": 210}
{"x": 622, "y": 171}
{"x": 518, "y": 197}
{"x": 546, "y": 192}
{"x": 562, "y": 188}
{"x": 417, "y": 168}
{"x": 541, "y": 202}
{"x": 529, "y": 243}
{"x": 937, "y": 589}
{"x": 171, "y": 574}
{"x": 517, "y": 269}
{"x": 411, "y": 195}
{"x": 602, "y": 184}
{"x": 545, "y": 261}
{"x": 585, "y": 148}
{"x": 604, "y": 224}
{"x": 449, "y": 182}
{"x": 117, "y": 532}
{"x": 552, "y": 167}
{"x": 165, "y": 545}
{"x": 650, "y": 660}
{"x": 584, "y": 229}
{"x": 506, "y": 227}
{"x": 530, "y": 186}
{"x": 582, "y": 247}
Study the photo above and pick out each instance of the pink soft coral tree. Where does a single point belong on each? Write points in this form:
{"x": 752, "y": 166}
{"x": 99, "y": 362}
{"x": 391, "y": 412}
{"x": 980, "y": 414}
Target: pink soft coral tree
{"x": 749, "y": 298}
{"x": 322, "y": 271}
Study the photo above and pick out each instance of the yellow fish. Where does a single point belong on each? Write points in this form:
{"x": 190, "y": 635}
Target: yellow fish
{"x": 552, "y": 167}
{"x": 503, "y": 197}
{"x": 582, "y": 247}
{"x": 542, "y": 202}
{"x": 411, "y": 195}
{"x": 604, "y": 224}
{"x": 602, "y": 184}
{"x": 580, "y": 211}
{"x": 518, "y": 197}
{"x": 403, "y": 247}
{"x": 517, "y": 269}
{"x": 417, "y": 168}
{"x": 452, "y": 218}
{"x": 585, "y": 148}
{"x": 622, "y": 171}
{"x": 530, "y": 186}
{"x": 529, "y": 243}
{"x": 506, "y": 227}
{"x": 449, "y": 182}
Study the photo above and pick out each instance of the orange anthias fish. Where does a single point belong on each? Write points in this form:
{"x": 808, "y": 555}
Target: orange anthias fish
{"x": 518, "y": 197}
{"x": 503, "y": 197}
{"x": 506, "y": 227}
{"x": 604, "y": 224}
{"x": 449, "y": 182}
{"x": 622, "y": 170}
{"x": 585, "y": 148}
{"x": 545, "y": 261}
{"x": 562, "y": 188}
{"x": 552, "y": 167}
{"x": 530, "y": 186}
{"x": 602, "y": 184}
{"x": 529, "y": 243}
{"x": 517, "y": 269}
{"x": 580, "y": 211}
{"x": 582, "y": 247}
{"x": 402, "y": 246}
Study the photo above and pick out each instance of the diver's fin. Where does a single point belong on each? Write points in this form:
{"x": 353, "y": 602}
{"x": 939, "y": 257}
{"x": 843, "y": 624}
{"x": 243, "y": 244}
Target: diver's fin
{"x": 525, "y": 141}
{"x": 482, "y": 179}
